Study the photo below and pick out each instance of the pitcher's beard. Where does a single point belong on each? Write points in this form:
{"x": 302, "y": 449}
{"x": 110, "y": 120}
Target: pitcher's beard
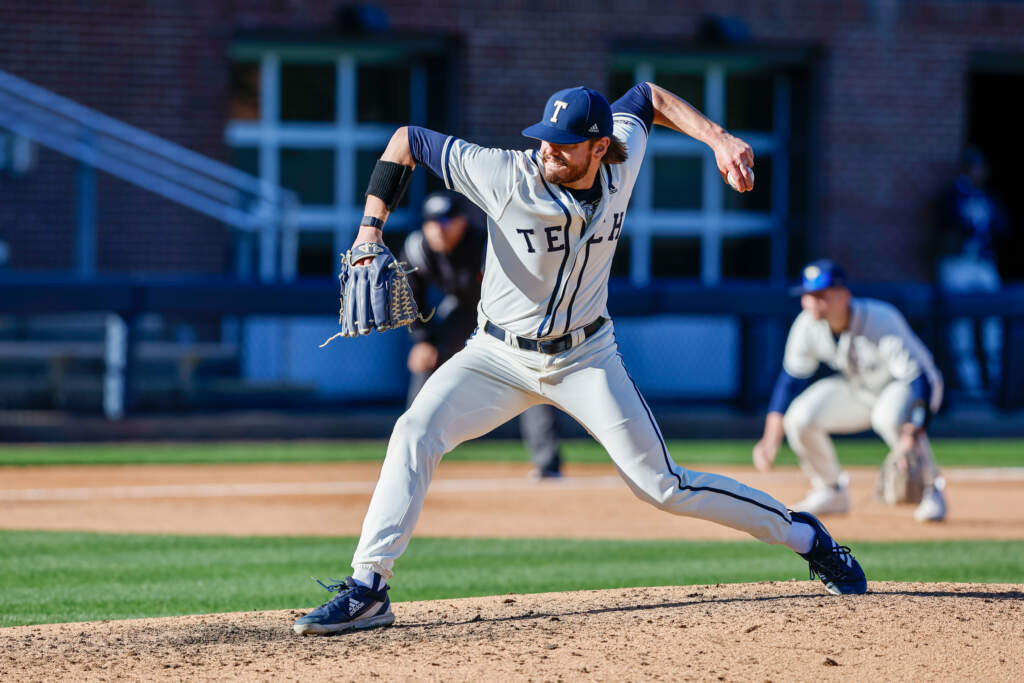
{"x": 564, "y": 174}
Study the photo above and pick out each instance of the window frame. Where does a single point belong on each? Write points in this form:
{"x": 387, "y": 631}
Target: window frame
{"x": 712, "y": 224}
{"x": 345, "y": 136}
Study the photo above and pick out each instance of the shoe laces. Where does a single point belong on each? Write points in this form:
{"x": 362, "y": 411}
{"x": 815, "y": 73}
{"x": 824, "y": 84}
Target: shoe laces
{"x": 349, "y": 582}
{"x": 837, "y": 562}
{"x": 342, "y": 589}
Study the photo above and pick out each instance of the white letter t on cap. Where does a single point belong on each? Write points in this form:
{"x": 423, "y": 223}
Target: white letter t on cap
{"x": 559, "y": 106}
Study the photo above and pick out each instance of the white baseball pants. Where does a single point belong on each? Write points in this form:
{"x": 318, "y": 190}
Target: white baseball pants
{"x": 832, "y": 406}
{"x": 489, "y": 382}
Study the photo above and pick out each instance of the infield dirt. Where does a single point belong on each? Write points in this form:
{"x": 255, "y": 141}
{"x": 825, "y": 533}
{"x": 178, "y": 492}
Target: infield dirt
{"x": 789, "y": 631}
{"x": 465, "y": 499}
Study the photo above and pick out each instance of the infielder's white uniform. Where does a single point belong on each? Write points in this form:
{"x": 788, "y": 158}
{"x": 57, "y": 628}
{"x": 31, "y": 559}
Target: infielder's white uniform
{"x": 877, "y": 358}
{"x": 546, "y": 275}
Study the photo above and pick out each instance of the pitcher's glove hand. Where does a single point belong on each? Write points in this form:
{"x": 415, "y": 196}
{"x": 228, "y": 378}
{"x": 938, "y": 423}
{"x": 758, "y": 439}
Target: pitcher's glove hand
{"x": 901, "y": 479}
{"x": 375, "y": 295}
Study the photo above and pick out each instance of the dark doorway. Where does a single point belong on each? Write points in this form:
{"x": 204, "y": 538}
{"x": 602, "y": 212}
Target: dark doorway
{"x": 993, "y": 125}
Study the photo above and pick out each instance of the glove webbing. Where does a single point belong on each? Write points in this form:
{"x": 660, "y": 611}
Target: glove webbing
{"x": 403, "y": 306}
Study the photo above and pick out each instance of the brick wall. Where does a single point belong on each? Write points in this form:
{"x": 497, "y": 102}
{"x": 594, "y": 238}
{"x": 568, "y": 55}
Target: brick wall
{"x": 889, "y": 121}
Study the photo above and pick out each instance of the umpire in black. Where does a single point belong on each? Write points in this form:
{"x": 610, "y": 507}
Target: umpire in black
{"x": 448, "y": 252}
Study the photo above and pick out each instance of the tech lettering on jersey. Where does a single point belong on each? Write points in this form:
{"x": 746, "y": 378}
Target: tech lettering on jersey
{"x": 617, "y": 220}
{"x": 552, "y": 235}
{"x": 526, "y": 232}
{"x": 550, "y": 232}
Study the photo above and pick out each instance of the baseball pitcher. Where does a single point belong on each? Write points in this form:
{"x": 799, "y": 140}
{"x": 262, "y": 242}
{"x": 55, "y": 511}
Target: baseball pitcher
{"x": 555, "y": 216}
{"x": 885, "y": 380}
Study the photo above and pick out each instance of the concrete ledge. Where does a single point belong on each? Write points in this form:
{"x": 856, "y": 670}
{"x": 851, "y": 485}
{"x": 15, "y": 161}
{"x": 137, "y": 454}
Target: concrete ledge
{"x": 374, "y": 423}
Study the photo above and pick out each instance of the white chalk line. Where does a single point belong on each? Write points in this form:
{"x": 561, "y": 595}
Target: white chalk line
{"x": 990, "y": 474}
{"x": 296, "y": 489}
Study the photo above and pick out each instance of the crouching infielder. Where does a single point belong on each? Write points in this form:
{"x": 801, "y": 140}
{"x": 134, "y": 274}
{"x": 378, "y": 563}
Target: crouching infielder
{"x": 885, "y": 380}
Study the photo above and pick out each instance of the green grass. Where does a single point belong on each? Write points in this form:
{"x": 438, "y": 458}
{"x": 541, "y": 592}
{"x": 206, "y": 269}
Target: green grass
{"x": 57, "y": 576}
{"x": 950, "y": 452}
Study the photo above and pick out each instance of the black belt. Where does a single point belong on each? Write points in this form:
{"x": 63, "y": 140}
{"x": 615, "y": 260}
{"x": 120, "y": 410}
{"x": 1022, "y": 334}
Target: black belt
{"x": 549, "y": 346}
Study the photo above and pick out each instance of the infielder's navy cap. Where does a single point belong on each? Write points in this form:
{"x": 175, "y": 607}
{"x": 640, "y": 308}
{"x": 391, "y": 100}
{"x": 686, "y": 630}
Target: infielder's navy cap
{"x": 819, "y": 275}
{"x": 573, "y": 115}
{"x": 441, "y": 206}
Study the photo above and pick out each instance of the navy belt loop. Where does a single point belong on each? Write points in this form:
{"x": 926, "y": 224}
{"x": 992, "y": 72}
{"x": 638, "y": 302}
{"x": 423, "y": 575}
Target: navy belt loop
{"x": 548, "y": 346}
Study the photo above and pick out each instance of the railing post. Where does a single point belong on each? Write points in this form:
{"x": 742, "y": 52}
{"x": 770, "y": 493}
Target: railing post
{"x": 116, "y": 354}
{"x": 268, "y": 252}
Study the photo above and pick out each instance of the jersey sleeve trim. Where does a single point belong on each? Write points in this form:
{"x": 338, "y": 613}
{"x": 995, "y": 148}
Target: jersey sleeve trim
{"x": 446, "y": 154}
{"x": 626, "y": 115}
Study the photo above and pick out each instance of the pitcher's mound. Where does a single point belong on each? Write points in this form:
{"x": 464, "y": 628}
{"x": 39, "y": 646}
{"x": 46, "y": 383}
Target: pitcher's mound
{"x": 767, "y": 631}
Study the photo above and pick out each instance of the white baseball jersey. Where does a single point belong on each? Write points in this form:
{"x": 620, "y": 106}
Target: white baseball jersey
{"x": 877, "y": 348}
{"x": 547, "y": 267}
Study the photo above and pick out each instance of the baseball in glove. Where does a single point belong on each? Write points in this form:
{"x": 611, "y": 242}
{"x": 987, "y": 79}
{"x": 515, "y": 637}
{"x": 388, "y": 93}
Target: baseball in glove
{"x": 902, "y": 477}
{"x": 375, "y": 295}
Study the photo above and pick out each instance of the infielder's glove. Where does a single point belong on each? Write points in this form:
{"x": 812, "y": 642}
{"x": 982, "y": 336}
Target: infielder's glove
{"x": 901, "y": 479}
{"x": 375, "y": 295}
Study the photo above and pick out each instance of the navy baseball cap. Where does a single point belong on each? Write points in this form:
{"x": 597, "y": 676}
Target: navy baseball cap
{"x": 819, "y": 275}
{"x": 442, "y": 206}
{"x": 573, "y": 115}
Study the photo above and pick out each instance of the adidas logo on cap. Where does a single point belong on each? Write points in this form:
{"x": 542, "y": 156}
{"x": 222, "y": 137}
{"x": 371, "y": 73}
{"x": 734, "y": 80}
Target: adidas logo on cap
{"x": 594, "y": 129}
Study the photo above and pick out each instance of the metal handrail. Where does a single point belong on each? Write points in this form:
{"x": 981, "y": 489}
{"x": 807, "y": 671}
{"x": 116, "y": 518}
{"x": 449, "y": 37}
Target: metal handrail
{"x": 203, "y": 184}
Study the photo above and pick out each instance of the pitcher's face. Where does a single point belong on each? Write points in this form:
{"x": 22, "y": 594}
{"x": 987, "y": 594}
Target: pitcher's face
{"x": 564, "y": 164}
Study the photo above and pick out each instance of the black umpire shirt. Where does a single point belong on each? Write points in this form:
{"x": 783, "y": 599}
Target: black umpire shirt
{"x": 458, "y": 274}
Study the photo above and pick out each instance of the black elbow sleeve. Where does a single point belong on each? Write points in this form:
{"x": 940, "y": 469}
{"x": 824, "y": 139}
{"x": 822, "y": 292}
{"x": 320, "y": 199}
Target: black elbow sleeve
{"x": 388, "y": 182}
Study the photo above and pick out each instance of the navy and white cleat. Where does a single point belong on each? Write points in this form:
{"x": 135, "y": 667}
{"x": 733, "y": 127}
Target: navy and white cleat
{"x": 354, "y": 608}
{"x": 833, "y": 563}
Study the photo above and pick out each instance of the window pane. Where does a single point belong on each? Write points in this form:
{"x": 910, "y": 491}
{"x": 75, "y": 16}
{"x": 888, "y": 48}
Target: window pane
{"x": 677, "y": 182}
{"x": 307, "y": 92}
{"x": 676, "y": 257}
{"x": 383, "y": 93}
{"x": 310, "y": 172}
{"x": 246, "y": 159}
{"x": 620, "y": 262}
{"x": 758, "y": 199}
{"x": 748, "y": 101}
{"x": 245, "y": 91}
{"x": 366, "y": 159}
{"x": 747, "y": 256}
{"x": 440, "y": 105}
{"x": 689, "y": 86}
{"x": 619, "y": 82}
{"x": 316, "y": 253}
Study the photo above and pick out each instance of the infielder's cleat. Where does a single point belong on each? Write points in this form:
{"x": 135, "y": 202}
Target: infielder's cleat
{"x": 826, "y": 500}
{"x": 932, "y": 507}
{"x": 354, "y": 608}
{"x": 537, "y": 474}
{"x": 833, "y": 563}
